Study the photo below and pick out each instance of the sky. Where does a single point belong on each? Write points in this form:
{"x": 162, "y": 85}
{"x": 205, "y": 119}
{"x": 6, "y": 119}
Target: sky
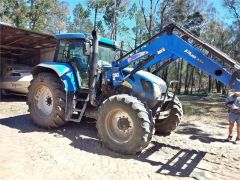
{"x": 222, "y": 12}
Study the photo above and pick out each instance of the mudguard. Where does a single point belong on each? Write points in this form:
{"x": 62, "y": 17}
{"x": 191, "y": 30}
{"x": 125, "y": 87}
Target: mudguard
{"x": 63, "y": 70}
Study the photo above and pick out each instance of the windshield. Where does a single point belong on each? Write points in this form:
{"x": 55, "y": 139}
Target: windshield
{"x": 71, "y": 51}
{"x": 106, "y": 55}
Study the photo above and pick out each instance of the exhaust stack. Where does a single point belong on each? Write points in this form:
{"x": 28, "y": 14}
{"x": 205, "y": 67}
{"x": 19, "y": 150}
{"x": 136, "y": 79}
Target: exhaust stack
{"x": 93, "y": 70}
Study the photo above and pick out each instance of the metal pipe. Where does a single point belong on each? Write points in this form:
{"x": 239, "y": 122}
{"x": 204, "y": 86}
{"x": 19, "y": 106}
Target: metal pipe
{"x": 93, "y": 70}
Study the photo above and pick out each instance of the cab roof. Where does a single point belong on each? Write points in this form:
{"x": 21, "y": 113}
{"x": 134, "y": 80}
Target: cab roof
{"x": 84, "y": 36}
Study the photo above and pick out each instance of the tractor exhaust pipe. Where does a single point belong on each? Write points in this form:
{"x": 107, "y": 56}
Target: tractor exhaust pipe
{"x": 93, "y": 70}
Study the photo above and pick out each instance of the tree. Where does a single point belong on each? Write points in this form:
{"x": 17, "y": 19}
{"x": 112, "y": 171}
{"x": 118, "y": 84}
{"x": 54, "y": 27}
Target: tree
{"x": 14, "y": 12}
{"x": 39, "y": 15}
{"x": 234, "y": 9}
{"x": 149, "y": 15}
{"x": 164, "y": 8}
{"x": 139, "y": 28}
{"x": 60, "y": 16}
{"x": 97, "y": 6}
{"x": 81, "y": 21}
{"x": 114, "y": 10}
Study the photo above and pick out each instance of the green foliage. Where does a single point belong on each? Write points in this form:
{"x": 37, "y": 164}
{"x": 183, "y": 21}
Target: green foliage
{"x": 14, "y": 12}
{"x": 234, "y": 9}
{"x": 81, "y": 22}
{"x": 97, "y": 8}
{"x": 39, "y": 15}
{"x": 116, "y": 10}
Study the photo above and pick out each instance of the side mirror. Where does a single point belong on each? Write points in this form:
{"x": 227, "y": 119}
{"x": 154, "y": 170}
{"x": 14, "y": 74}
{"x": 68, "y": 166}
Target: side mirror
{"x": 87, "y": 49}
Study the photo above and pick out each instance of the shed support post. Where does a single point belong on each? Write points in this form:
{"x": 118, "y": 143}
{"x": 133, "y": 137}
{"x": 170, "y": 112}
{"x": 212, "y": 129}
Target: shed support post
{"x": 1, "y": 65}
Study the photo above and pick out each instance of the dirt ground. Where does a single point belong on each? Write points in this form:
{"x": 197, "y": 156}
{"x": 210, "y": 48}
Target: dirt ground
{"x": 195, "y": 151}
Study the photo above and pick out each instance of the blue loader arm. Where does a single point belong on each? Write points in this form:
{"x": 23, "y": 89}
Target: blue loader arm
{"x": 168, "y": 45}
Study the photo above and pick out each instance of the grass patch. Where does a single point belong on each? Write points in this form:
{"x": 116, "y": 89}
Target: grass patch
{"x": 202, "y": 105}
{"x": 189, "y": 109}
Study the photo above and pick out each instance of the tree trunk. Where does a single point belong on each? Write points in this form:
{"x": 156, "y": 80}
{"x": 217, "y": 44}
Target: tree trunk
{"x": 165, "y": 73}
{"x": 192, "y": 80}
{"x": 136, "y": 33}
{"x": 114, "y": 32}
{"x": 224, "y": 90}
{"x": 151, "y": 19}
{"x": 209, "y": 84}
{"x": 180, "y": 77}
{"x": 186, "y": 81}
{"x": 218, "y": 86}
{"x": 200, "y": 81}
{"x": 17, "y": 14}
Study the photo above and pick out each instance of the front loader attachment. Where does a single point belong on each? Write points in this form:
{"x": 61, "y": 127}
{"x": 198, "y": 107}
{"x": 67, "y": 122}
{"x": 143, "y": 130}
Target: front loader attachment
{"x": 176, "y": 42}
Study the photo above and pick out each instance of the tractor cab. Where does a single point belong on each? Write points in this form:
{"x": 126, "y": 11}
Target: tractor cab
{"x": 75, "y": 49}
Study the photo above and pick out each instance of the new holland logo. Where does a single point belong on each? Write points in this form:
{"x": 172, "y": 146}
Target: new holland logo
{"x": 136, "y": 56}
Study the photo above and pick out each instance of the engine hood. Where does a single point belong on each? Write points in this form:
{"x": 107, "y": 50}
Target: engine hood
{"x": 137, "y": 80}
{"x": 149, "y": 77}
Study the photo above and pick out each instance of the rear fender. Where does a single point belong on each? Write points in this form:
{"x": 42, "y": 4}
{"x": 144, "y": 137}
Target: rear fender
{"x": 63, "y": 70}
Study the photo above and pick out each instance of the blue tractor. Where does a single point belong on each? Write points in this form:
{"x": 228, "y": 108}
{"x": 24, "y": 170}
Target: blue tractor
{"x": 128, "y": 101}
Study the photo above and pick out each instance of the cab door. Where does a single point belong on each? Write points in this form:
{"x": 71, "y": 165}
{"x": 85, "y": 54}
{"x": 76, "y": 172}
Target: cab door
{"x": 72, "y": 51}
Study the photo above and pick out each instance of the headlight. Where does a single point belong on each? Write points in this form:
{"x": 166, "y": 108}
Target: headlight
{"x": 151, "y": 88}
{"x": 157, "y": 90}
{"x": 147, "y": 86}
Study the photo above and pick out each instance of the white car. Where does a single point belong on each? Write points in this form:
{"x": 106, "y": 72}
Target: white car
{"x": 16, "y": 78}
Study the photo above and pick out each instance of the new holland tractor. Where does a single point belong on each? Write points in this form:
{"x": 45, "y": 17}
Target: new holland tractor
{"x": 128, "y": 102}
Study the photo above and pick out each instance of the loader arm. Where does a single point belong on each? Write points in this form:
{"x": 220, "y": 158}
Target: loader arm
{"x": 175, "y": 42}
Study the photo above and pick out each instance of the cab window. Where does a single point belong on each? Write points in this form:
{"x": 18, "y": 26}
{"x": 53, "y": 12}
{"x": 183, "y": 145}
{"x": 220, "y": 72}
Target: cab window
{"x": 106, "y": 55}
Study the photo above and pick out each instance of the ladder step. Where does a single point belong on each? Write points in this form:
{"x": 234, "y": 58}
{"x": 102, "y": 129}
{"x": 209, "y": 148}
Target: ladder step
{"x": 84, "y": 100}
{"x": 74, "y": 120}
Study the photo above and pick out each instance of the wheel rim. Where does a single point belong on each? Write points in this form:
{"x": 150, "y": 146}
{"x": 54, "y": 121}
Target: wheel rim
{"x": 44, "y": 100}
{"x": 119, "y": 126}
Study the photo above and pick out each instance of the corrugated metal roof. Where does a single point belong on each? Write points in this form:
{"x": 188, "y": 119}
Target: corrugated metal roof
{"x": 17, "y": 41}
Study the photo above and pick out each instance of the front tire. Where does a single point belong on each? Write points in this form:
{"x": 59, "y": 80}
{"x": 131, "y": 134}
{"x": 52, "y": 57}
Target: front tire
{"x": 46, "y": 101}
{"x": 124, "y": 125}
{"x": 169, "y": 124}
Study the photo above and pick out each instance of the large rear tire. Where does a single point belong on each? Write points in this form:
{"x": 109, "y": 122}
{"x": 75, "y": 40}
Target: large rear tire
{"x": 124, "y": 125}
{"x": 46, "y": 101}
{"x": 166, "y": 126}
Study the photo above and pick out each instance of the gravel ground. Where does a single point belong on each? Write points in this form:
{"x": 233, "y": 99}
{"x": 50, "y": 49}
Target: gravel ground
{"x": 195, "y": 151}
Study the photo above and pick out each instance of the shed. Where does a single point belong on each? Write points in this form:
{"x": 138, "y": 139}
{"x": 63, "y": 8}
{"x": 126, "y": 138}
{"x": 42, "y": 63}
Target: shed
{"x": 26, "y": 47}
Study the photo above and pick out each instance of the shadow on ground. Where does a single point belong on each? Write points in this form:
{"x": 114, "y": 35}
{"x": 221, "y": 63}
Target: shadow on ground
{"x": 198, "y": 134}
{"x": 83, "y": 136}
{"x": 13, "y": 98}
